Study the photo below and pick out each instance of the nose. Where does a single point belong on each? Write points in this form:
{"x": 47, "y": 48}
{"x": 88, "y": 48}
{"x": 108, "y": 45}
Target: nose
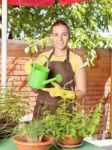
{"x": 60, "y": 37}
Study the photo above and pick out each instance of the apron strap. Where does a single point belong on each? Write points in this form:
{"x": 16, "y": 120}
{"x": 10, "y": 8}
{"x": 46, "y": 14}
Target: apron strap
{"x": 51, "y": 54}
{"x": 67, "y": 55}
{"x": 68, "y": 61}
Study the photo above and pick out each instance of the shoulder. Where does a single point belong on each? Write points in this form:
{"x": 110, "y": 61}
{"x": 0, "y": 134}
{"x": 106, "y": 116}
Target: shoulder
{"x": 43, "y": 57}
{"x": 76, "y": 61}
{"x": 75, "y": 57}
{"x": 46, "y": 53}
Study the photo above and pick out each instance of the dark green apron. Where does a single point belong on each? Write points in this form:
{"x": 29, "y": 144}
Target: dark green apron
{"x": 44, "y": 99}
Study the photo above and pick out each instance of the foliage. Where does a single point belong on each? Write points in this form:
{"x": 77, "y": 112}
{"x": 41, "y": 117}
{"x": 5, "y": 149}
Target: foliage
{"x": 12, "y": 108}
{"x": 86, "y": 19}
{"x": 89, "y": 16}
{"x": 36, "y": 45}
{"x": 77, "y": 123}
{"x": 33, "y": 131}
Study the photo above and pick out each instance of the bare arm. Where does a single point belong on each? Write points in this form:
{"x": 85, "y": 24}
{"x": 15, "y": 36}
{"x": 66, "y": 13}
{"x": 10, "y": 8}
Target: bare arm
{"x": 81, "y": 85}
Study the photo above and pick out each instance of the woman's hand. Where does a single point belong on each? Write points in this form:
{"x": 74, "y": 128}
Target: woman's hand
{"x": 57, "y": 90}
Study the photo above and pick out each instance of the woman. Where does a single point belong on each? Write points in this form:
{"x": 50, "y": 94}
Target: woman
{"x": 61, "y": 61}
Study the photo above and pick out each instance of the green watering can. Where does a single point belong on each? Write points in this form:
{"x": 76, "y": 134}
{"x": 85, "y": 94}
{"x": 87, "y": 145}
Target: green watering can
{"x": 39, "y": 75}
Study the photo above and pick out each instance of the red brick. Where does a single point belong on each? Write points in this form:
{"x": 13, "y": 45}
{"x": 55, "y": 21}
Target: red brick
{"x": 19, "y": 72}
{"x": 14, "y": 78}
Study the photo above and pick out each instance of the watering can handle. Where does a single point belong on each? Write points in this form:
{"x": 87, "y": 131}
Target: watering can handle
{"x": 39, "y": 58}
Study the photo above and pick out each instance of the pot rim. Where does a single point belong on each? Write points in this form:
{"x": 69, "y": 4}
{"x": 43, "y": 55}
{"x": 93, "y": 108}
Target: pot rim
{"x": 49, "y": 141}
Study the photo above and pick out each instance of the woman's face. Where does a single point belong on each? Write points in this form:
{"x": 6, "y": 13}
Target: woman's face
{"x": 60, "y": 37}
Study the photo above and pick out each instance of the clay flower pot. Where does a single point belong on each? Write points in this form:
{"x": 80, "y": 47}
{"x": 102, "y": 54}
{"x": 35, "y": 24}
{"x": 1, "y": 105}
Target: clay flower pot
{"x": 70, "y": 142}
{"x": 44, "y": 145}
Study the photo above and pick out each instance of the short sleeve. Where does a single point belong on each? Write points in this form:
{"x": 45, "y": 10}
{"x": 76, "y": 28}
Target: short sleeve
{"x": 76, "y": 62}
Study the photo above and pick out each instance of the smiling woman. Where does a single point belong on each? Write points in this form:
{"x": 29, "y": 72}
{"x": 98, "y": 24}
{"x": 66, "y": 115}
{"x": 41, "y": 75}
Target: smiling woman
{"x": 64, "y": 62}
{"x": 60, "y": 36}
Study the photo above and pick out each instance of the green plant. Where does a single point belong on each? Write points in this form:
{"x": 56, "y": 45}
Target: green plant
{"x": 76, "y": 123}
{"x": 84, "y": 28}
{"x": 12, "y": 108}
{"x": 33, "y": 131}
{"x": 35, "y": 45}
{"x": 34, "y": 134}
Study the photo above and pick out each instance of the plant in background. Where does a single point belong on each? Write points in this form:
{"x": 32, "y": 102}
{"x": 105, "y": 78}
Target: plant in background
{"x": 35, "y": 45}
{"x": 85, "y": 28}
{"x": 12, "y": 108}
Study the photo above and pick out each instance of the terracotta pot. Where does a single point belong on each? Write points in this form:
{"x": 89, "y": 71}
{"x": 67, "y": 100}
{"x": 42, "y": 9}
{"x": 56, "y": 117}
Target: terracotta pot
{"x": 70, "y": 141}
{"x": 44, "y": 145}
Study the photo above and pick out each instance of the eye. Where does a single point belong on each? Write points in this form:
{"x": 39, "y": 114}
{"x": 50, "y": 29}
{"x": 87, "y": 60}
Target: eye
{"x": 62, "y": 34}
{"x": 55, "y": 34}
{"x": 65, "y": 34}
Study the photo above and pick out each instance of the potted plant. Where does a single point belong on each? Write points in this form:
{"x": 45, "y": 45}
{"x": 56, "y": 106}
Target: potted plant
{"x": 70, "y": 127}
{"x": 12, "y": 108}
{"x": 33, "y": 135}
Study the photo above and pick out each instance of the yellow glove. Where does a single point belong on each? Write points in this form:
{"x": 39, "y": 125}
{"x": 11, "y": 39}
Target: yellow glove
{"x": 28, "y": 66}
{"x": 57, "y": 90}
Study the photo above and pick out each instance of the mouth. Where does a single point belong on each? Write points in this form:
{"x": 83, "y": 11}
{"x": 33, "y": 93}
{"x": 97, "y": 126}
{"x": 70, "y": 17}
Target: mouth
{"x": 60, "y": 43}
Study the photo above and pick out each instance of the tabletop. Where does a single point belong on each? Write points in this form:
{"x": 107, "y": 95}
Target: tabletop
{"x": 7, "y": 144}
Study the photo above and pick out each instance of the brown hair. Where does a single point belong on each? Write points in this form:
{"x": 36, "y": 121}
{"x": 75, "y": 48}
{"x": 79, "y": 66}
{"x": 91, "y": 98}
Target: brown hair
{"x": 60, "y": 22}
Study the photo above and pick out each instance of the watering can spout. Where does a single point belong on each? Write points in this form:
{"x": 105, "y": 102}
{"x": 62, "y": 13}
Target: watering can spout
{"x": 57, "y": 78}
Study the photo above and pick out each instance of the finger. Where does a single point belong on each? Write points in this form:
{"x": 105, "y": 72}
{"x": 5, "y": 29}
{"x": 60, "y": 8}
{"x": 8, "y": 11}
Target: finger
{"x": 48, "y": 89}
{"x": 56, "y": 85}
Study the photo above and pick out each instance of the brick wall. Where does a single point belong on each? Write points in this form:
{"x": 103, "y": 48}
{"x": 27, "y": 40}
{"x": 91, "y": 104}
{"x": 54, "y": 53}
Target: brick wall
{"x": 98, "y": 77}
{"x": 98, "y": 84}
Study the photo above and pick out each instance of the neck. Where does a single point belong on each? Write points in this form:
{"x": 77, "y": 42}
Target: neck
{"x": 60, "y": 52}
